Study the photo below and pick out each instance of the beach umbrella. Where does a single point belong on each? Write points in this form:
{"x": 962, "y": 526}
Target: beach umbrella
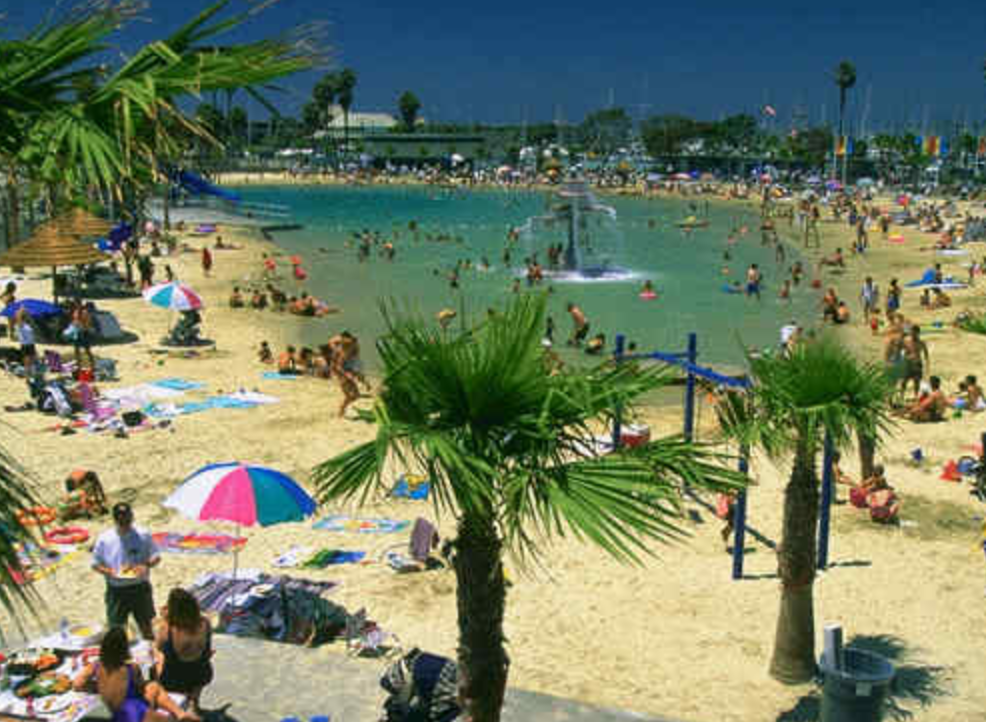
{"x": 175, "y": 296}
{"x": 51, "y": 246}
{"x": 833, "y": 185}
{"x": 35, "y": 308}
{"x": 243, "y": 494}
{"x": 81, "y": 223}
{"x": 681, "y": 176}
{"x": 865, "y": 182}
{"x": 813, "y": 180}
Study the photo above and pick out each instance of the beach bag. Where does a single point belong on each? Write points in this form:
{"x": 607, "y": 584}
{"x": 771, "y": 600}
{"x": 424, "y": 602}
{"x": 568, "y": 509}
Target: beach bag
{"x": 132, "y": 418}
{"x": 857, "y": 497}
{"x": 423, "y": 687}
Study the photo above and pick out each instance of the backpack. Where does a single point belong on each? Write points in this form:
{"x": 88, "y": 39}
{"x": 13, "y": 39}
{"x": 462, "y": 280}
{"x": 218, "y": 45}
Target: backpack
{"x": 423, "y": 687}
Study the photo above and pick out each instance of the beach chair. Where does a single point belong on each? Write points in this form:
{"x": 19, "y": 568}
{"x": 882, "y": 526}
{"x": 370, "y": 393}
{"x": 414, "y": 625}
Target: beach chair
{"x": 90, "y": 405}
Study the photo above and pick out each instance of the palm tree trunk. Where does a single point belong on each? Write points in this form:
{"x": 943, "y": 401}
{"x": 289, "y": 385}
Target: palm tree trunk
{"x": 481, "y": 598}
{"x": 867, "y": 455}
{"x": 793, "y": 660}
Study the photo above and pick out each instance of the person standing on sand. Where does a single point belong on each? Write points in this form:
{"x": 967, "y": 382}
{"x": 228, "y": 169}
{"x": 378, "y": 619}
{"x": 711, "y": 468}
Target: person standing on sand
{"x": 206, "y": 261}
{"x": 870, "y": 295}
{"x": 125, "y": 555}
{"x": 915, "y": 359}
{"x": 753, "y": 279}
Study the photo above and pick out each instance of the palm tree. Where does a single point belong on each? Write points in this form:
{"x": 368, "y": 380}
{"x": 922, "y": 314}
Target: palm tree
{"x": 505, "y": 440}
{"x": 113, "y": 135}
{"x": 345, "y": 84}
{"x": 819, "y": 389}
{"x": 845, "y": 78}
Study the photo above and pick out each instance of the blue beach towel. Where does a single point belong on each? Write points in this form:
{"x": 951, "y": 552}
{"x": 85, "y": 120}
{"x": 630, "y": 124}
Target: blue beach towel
{"x": 275, "y": 376}
{"x": 176, "y": 384}
{"x": 411, "y": 487}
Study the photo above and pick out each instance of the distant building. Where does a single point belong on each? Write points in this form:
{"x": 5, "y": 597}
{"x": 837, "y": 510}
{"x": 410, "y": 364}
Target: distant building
{"x": 360, "y": 123}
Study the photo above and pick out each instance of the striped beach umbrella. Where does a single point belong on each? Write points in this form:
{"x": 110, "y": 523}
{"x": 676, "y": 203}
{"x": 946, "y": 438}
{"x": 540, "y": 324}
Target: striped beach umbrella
{"x": 174, "y": 296}
{"x": 243, "y": 494}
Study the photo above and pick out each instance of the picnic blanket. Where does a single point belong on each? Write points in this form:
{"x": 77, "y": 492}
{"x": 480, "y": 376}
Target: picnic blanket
{"x": 411, "y": 486}
{"x": 172, "y": 543}
{"x": 214, "y": 589}
{"x": 271, "y": 607}
{"x": 341, "y": 522}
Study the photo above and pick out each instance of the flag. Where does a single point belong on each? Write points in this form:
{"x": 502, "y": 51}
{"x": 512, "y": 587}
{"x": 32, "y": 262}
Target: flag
{"x": 770, "y": 110}
{"x": 843, "y": 146}
{"x": 931, "y": 145}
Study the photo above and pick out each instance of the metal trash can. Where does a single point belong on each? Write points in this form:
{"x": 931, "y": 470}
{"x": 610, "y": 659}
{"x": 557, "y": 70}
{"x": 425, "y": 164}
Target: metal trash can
{"x": 856, "y": 691}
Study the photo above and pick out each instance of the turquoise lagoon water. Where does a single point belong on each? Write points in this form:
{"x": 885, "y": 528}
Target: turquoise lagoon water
{"x": 685, "y": 269}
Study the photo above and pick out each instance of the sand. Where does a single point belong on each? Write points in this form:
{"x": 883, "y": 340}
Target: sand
{"x": 674, "y": 637}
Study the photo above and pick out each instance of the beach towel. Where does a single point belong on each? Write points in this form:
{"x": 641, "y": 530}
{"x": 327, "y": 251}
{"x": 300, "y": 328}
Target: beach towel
{"x": 341, "y": 522}
{"x": 292, "y": 557}
{"x": 411, "y": 486}
{"x": 275, "y": 376}
{"x": 38, "y": 562}
{"x": 177, "y": 384}
{"x": 172, "y": 543}
{"x": 329, "y": 557}
{"x": 214, "y": 589}
{"x": 253, "y": 397}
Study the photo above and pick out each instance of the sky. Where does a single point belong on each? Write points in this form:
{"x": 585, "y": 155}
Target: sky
{"x": 510, "y": 61}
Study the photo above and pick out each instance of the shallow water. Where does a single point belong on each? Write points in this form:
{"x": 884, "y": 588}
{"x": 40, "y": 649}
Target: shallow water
{"x": 686, "y": 268}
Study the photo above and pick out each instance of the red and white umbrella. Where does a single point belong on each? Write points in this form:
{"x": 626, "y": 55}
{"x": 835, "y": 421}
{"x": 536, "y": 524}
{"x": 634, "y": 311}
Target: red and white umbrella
{"x": 175, "y": 296}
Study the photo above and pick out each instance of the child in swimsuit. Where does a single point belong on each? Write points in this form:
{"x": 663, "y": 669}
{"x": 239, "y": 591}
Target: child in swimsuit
{"x": 121, "y": 685}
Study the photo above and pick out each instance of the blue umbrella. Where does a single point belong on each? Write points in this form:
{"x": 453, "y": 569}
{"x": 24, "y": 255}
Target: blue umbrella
{"x": 34, "y": 306}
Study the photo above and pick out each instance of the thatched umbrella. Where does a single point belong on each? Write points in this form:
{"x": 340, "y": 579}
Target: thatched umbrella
{"x": 83, "y": 224}
{"x": 52, "y": 247}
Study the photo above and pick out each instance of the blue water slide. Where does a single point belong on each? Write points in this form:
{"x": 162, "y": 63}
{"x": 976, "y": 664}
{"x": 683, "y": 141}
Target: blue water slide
{"x": 200, "y": 186}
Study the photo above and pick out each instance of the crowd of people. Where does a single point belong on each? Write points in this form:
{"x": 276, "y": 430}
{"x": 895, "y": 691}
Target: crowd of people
{"x": 338, "y": 358}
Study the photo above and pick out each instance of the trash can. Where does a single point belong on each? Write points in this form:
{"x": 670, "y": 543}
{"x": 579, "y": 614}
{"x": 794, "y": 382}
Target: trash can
{"x": 856, "y": 691}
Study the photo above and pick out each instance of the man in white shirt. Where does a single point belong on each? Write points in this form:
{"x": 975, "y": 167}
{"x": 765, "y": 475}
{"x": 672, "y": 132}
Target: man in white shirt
{"x": 124, "y": 555}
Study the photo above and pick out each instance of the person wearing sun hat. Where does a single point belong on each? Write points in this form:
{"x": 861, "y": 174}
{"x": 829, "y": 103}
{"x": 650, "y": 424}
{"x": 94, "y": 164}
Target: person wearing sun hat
{"x": 125, "y": 555}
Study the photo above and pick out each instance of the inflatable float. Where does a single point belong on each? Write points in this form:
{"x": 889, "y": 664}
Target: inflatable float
{"x": 895, "y": 238}
{"x": 928, "y": 280}
{"x": 693, "y": 222}
{"x": 648, "y": 295}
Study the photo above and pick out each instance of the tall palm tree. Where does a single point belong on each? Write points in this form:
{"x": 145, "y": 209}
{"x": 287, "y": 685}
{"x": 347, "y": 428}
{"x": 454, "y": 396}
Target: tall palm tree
{"x": 505, "y": 441}
{"x": 845, "y": 78}
{"x": 345, "y": 85}
{"x": 793, "y": 403}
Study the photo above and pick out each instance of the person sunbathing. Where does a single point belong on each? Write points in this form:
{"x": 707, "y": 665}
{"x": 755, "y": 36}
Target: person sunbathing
{"x": 974, "y": 394}
{"x": 264, "y": 354}
{"x": 306, "y": 362}
{"x": 881, "y": 499}
{"x": 236, "y": 298}
{"x": 120, "y": 684}
{"x": 841, "y": 313}
{"x": 836, "y": 259}
{"x": 930, "y": 405}
{"x": 258, "y": 301}
{"x": 940, "y": 299}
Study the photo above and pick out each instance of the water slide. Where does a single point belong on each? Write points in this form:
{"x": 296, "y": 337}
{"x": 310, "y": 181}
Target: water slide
{"x": 199, "y": 186}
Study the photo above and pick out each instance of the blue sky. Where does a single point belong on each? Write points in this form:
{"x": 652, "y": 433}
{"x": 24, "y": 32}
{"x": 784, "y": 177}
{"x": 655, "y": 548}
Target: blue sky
{"x": 505, "y": 60}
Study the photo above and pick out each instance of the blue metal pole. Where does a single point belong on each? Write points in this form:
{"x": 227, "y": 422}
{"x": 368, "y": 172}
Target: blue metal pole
{"x": 690, "y": 388}
{"x": 618, "y": 416}
{"x": 739, "y": 518}
{"x": 824, "y": 512}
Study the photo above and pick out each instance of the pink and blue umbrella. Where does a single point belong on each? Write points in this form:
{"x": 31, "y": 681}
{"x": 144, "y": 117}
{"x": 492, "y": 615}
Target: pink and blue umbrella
{"x": 246, "y": 495}
{"x": 174, "y": 295}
